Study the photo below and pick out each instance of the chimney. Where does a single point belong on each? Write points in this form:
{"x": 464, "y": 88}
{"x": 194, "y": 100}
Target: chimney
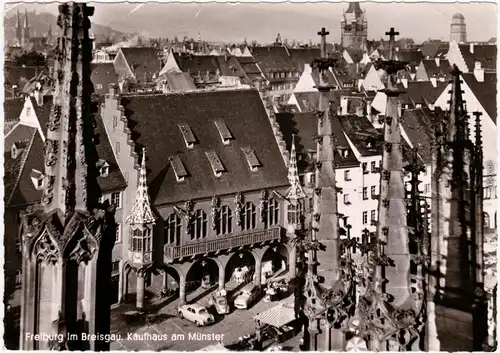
{"x": 339, "y": 110}
{"x": 434, "y": 81}
{"x": 359, "y": 111}
{"x": 478, "y": 72}
{"x": 397, "y": 48}
{"x": 404, "y": 81}
{"x": 38, "y": 95}
{"x": 369, "y": 111}
{"x": 471, "y": 48}
{"x": 438, "y": 61}
{"x": 112, "y": 89}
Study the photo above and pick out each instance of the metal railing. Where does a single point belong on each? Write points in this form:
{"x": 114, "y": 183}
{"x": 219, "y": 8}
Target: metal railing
{"x": 173, "y": 252}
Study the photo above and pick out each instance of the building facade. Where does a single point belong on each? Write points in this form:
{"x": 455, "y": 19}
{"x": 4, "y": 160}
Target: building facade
{"x": 458, "y": 29}
{"x": 354, "y": 27}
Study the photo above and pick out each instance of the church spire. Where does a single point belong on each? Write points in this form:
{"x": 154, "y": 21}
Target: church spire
{"x": 67, "y": 166}
{"x": 26, "y": 26}
{"x": 141, "y": 211}
{"x": 295, "y": 192}
{"x": 18, "y": 24}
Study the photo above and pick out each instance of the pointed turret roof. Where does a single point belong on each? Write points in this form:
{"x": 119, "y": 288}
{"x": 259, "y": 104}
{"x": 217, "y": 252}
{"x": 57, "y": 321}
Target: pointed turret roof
{"x": 295, "y": 192}
{"x": 18, "y": 25}
{"x": 354, "y": 8}
{"x": 141, "y": 212}
{"x": 25, "y": 18}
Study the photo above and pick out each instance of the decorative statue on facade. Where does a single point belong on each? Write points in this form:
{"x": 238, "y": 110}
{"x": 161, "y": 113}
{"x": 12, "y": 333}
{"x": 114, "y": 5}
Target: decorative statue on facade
{"x": 69, "y": 237}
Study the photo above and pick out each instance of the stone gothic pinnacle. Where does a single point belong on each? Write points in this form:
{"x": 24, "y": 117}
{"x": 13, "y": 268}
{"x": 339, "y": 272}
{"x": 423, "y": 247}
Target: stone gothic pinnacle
{"x": 141, "y": 211}
{"x": 18, "y": 24}
{"x": 26, "y": 19}
{"x": 295, "y": 192}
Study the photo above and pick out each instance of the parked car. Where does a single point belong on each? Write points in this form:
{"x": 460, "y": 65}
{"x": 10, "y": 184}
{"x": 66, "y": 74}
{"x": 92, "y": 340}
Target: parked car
{"x": 196, "y": 313}
{"x": 246, "y": 296}
{"x": 220, "y": 303}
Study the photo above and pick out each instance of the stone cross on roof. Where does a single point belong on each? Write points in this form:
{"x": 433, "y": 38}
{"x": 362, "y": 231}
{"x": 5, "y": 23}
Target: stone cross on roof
{"x": 323, "y": 33}
{"x": 392, "y": 42}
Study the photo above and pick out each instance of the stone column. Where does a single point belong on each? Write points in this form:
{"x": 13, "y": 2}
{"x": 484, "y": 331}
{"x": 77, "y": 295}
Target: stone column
{"x": 313, "y": 333}
{"x": 125, "y": 291}
{"x": 121, "y": 285}
{"x": 258, "y": 272}
{"x": 326, "y": 329}
{"x": 292, "y": 267}
{"x": 222, "y": 277}
{"x": 182, "y": 290}
{"x": 165, "y": 280}
{"x": 140, "y": 290}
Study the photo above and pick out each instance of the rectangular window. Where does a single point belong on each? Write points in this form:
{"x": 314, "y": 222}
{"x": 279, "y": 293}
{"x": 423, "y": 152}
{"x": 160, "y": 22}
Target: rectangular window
{"x": 373, "y": 215}
{"x": 365, "y": 168}
{"x": 346, "y": 199}
{"x": 116, "y": 199}
{"x": 365, "y": 217}
{"x": 487, "y": 192}
{"x": 117, "y": 148}
{"x": 225, "y": 221}
{"x": 311, "y": 204}
{"x": 19, "y": 248}
{"x": 118, "y": 237}
{"x": 98, "y": 86}
{"x": 427, "y": 188}
{"x": 115, "y": 122}
{"x": 365, "y": 193}
{"x": 347, "y": 175}
{"x": 312, "y": 180}
{"x": 115, "y": 268}
{"x": 28, "y": 111}
{"x": 373, "y": 166}
{"x": 373, "y": 190}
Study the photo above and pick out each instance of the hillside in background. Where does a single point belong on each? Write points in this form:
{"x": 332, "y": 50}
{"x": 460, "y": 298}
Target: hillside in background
{"x": 40, "y": 23}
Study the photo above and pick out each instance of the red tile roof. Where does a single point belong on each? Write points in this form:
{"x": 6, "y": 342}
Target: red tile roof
{"x": 418, "y": 126}
{"x": 273, "y": 59}
{"x": 244, "y": 115}
{"x": 142, "y": 61}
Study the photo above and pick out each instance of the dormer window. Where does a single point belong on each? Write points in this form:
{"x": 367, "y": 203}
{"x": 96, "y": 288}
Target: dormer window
{"x": 102, "y": 168}
{"x": 37, "y": 179}
{"x": 178, "y": 167}
{"x": 224, "y": 132}
{"x": 418, "y": 105}
{"x": 251, "y": 157}
{"x": 369, "y": 144}
{"x": 216, "y": 163}
{"x": 188, "y": 135}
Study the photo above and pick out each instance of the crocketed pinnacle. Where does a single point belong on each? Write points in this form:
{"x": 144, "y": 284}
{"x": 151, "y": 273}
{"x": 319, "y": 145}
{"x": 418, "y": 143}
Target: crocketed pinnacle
{"x": 141, "y": 212}
{"x": 295, "y": 192}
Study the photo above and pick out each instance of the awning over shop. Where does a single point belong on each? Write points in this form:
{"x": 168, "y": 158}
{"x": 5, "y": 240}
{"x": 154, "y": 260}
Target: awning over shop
{"x": 277, "y": 316}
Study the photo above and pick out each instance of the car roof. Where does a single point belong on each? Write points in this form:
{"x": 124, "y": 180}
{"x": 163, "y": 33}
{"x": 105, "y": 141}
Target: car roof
{"x": 196, "y": 306}
{"x": 249, "y": 287}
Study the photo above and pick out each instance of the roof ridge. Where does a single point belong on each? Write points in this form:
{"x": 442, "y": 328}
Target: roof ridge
{"x": 23, "y": 163}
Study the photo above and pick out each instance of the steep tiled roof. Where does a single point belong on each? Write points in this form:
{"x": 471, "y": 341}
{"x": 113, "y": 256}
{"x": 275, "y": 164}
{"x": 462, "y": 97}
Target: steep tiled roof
{"x": 421, "y": 92}
{"x": 362, "y": 134}
{"x": 443, "y": 70}
{"x": 24, "y": 191}
{"x": 303, "y": 56}
{"x": 225, "y": 65}
{"x": 250, "y": 66}
{"x": 103, "y": 74}
{"x": 12, "y": 108}
{"x": 309, "y": 101}
{"x": 43, "y": 111}
{"x": 18, "y": 133}
{"x": 432, "y": 50}
{"x": 485, "y": 92}
{"x": 13, "y": 75}
{"x": 142, "y": 61}
{"x": 410, "y": 56}
{"x": 179, "y": 81}
{"x": 273, "y": 59}
{"x": 485, "y": 54}
{"x": 418, "y": 126}
{"x": 305, "y": 127}
{"x": 355, "y": 54}
{"x": 246, "y": 119}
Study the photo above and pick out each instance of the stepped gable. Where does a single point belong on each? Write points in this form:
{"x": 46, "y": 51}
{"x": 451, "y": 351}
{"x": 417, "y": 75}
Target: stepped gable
{"x": 305, "y": 127}
{"x": 485, "y": 92}
{"x": 154, "y": 123}
{"x": 484, "y": 53}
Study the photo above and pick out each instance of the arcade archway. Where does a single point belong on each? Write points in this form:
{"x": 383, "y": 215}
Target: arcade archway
{"x": 275, "y": 262}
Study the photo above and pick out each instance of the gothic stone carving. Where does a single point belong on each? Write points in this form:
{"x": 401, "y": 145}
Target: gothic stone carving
{"x": 46, "y": 250}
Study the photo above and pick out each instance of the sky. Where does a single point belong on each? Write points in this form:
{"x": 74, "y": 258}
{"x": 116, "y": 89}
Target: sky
{"x": 419, "y": 21}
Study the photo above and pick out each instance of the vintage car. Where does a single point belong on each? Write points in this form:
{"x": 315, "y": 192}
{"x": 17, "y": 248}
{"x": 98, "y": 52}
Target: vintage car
{"x": 196, "y": 313}
{"x": 247, "y": 296}
{"x": 219, "y": 301}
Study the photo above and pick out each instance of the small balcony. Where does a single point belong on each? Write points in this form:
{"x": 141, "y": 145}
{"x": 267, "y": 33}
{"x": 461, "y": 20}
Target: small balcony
{"x": 258, "y": 237}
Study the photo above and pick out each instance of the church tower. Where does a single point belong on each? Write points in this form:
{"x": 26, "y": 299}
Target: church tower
{"x": 457, "y": 260}
{"x": 67, "y": 240}
{"x": 19, "y": 29}
{"x": 26, "y": 29}
{"x": 354, "y": 27}
{"x": 458, "y": 29}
